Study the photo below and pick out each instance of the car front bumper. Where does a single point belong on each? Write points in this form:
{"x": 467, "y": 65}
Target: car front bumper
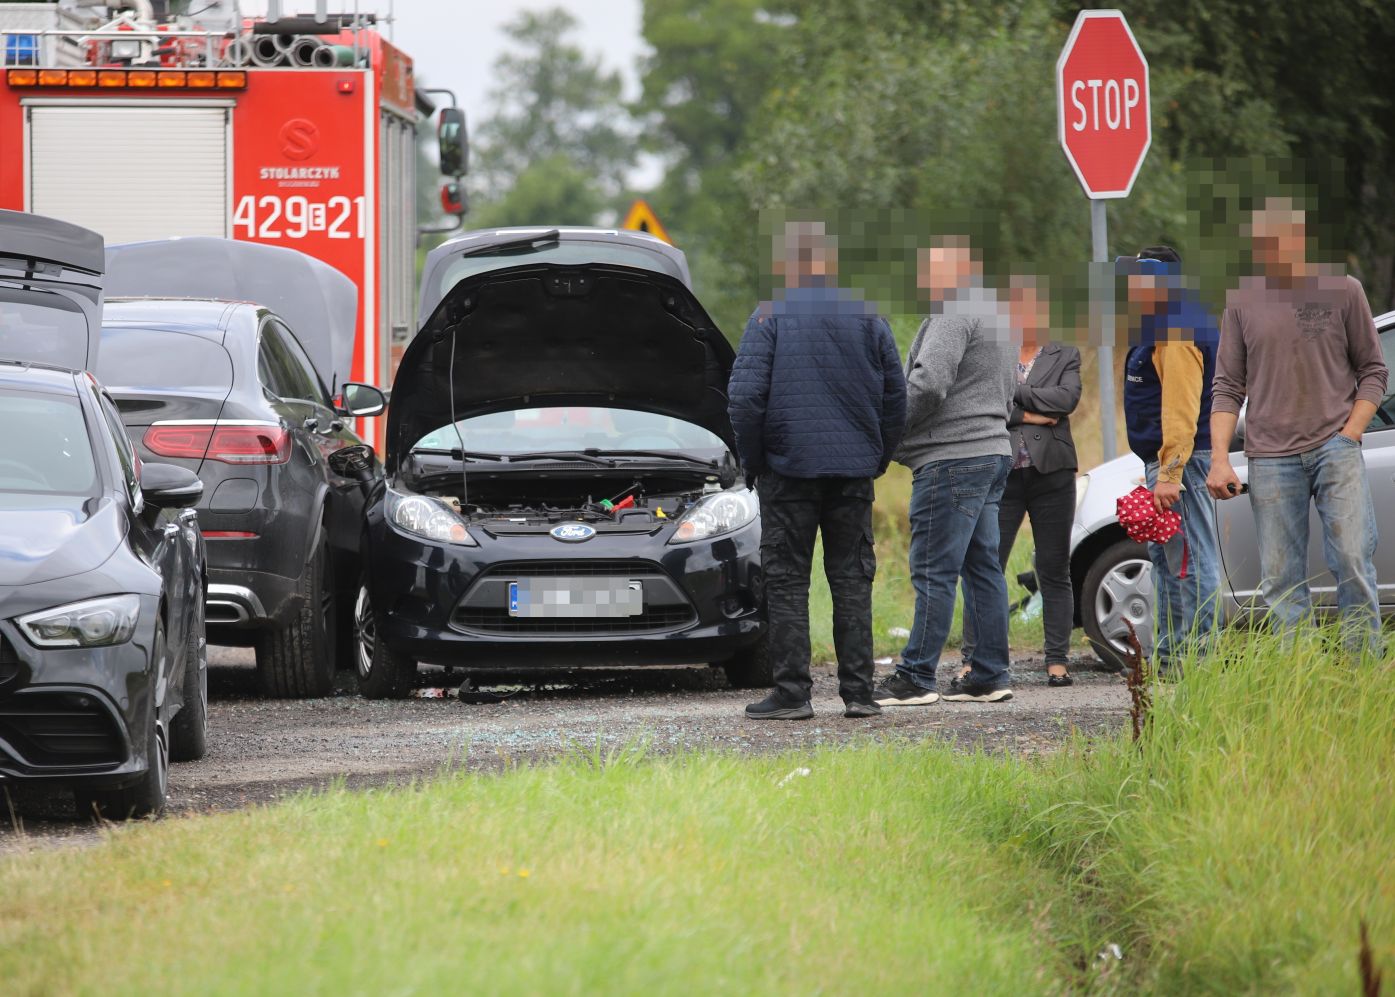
{"x": 79, "y": 715}
{"x": 446, "y": 604}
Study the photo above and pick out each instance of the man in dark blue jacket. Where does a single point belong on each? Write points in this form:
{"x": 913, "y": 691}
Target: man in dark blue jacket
{"x": 818, "y": 404}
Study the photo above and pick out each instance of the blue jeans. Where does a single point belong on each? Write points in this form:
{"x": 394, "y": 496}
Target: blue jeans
{"x": 954, "y": 531}
{"x": 1334, "y": 477}
{"x": 1186, "y": 608}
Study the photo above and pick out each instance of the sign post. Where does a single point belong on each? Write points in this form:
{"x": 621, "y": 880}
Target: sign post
{"x": 1105, "y": 123}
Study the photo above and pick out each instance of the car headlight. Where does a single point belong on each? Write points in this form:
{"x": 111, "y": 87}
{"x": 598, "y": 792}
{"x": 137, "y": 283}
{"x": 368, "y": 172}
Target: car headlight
{"x": 90, "y": 623}
{"x": 426, "y": 517}
{"x": 716, "y": 514}
{"x": 1082, "y": 485}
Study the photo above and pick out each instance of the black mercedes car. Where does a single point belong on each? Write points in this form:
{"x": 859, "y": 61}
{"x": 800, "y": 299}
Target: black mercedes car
{"x": 222, "y": 365}
{"x": 561, "y": 482}
{"x": 103, "y": 674}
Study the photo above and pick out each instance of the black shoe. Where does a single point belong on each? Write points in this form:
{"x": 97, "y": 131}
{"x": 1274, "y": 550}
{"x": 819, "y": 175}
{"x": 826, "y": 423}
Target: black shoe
{"x": 772, "y": 707}
{"x": 1059, "y": 681}
{"x": 897, "y": 690}
{"x": 857, "y": 711}
{"x": 965, "y": 690}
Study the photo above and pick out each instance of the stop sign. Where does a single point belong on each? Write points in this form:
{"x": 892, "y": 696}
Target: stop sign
{"x": 1102, "y": 103}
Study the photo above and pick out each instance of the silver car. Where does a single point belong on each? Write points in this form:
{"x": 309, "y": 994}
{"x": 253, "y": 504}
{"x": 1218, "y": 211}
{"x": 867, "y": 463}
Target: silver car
{"x": 1113, "y": 577}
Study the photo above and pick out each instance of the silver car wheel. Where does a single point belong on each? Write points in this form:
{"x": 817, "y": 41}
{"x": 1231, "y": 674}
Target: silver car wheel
{"x": 365, "y": 633}
{"x": 1125, "y": 595}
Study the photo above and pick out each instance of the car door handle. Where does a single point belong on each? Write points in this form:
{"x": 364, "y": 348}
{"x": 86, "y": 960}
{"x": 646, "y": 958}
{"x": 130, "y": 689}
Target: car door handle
{"x": 311, "y": 422}
{"x": 171, "y": 529}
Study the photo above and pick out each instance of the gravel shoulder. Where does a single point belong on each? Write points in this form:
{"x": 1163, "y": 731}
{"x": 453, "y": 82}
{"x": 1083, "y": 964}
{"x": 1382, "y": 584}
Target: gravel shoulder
{"x": 261, "y": 750}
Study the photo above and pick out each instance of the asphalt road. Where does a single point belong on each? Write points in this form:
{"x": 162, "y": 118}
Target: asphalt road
{"x": 260, "y": 750}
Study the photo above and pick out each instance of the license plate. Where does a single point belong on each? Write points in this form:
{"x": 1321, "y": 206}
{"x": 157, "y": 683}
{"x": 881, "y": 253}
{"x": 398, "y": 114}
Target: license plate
{"x": 575, "y": 598}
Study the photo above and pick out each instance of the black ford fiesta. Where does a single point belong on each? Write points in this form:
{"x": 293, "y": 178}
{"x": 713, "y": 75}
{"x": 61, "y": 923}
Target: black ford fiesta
{"x": 561, "y": 487}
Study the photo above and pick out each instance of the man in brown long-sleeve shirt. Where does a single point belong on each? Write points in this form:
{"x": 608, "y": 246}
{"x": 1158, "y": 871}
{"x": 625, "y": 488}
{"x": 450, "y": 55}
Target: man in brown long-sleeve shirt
{"x": 1300, "y": 344}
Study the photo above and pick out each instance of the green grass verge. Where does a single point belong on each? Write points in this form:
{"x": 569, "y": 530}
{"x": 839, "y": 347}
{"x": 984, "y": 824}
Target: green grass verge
{"x": 1235, "y": 851}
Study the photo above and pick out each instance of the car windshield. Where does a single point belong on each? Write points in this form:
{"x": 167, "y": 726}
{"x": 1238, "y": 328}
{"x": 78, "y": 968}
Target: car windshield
{"x": 45, "y": 449}
{"x": 558, "y": 428}
{"x": 41, "y": 327}
{"x": 573, "y": 252}
{"x": 157, "y": 358}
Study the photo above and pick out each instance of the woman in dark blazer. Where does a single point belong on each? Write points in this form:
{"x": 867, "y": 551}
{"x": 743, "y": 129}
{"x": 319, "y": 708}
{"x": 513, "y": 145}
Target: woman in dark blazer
{"x": 1041, "y": 485}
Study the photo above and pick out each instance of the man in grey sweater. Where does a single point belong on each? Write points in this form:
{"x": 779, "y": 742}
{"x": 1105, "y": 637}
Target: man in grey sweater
{"x": 959, "y": 383}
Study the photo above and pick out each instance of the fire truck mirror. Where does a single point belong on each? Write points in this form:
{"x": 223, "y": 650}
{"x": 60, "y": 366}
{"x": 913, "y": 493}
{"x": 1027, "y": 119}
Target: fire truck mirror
{"x": 453, "y": 198}
{"x": 454, "y": 142}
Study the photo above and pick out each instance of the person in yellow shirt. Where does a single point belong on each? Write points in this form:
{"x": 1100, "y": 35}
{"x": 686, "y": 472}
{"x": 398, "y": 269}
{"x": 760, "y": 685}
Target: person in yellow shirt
{"x": 1167, "y": 409}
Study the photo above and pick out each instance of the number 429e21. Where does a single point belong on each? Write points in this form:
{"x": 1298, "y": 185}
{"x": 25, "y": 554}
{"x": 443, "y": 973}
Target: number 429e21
{"x": 295, "y": 217}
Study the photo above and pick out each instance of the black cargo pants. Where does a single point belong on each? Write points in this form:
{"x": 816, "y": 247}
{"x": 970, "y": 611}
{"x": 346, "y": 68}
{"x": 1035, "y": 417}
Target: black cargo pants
{"x": 792, "y": 511}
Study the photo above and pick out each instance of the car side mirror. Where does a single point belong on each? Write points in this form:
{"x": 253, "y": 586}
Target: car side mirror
{"x": 355, "y": 462}
{"x": 453, "y": 142}
{"x": 169, "y": 486}
{"x": 361, "y": 400}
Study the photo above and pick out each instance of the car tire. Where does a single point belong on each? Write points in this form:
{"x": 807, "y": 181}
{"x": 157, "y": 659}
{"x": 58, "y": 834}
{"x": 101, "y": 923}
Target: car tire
{"x": 382, "y": 674}
{"x": 296, "y": 661}
{"x": 1118, "y": 586}
{"x": 751, "y": 667}
{"x": 145, "y": 798}
{"x": 189, "y": 729}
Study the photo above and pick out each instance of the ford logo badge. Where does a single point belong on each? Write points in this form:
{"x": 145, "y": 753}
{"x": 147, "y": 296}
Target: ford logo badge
{"x": 573, "y": 533}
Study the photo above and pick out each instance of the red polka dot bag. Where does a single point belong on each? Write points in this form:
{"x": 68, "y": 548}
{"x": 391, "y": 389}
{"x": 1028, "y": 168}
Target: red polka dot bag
{"x": 1144, "y": 524}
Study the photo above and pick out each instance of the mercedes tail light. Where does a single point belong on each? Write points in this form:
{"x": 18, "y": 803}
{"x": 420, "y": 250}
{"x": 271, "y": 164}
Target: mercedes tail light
{"x": 229, "y": 442}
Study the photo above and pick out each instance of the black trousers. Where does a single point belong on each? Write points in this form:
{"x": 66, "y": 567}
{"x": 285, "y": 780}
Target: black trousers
{"x": 792, "y": 512}
{"x": 1049, "y": 501}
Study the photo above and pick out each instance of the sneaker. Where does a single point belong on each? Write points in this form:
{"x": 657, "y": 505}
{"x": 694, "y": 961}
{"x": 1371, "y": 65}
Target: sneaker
{"x": 857, "y": 711}
{"x": 897, "y": 690}
{"x": 964, "y": 689}
{"x": 772, "y": 707}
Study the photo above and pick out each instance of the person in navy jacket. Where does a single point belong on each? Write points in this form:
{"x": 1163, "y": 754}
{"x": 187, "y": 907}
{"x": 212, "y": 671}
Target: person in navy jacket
{"x": 817, "y": 401}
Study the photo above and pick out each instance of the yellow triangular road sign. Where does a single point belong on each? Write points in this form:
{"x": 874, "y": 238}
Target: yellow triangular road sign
{"x": 641, "y": 218}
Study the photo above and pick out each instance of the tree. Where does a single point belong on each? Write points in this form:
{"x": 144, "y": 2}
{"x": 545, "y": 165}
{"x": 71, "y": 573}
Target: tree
{"x": 555, "y": 112}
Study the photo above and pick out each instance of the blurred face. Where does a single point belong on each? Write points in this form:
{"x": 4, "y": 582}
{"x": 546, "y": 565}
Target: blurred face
{"x": 943, "y": 269}
{"x": 1030, "y": 312}
{"x": 1147, "y": 292}
{"x": 1280, "y": 244}
{"x": 805, "y": 256}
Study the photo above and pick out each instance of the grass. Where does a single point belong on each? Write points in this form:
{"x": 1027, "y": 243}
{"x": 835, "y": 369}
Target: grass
{"x": 600, "y": 874}
{"x": 1234, "y": 850}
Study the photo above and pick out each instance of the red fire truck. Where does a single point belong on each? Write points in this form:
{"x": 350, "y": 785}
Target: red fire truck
{"x": 299, "y": 133}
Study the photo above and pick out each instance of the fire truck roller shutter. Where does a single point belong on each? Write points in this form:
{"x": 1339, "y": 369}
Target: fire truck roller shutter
{"x": 131, "y": 173}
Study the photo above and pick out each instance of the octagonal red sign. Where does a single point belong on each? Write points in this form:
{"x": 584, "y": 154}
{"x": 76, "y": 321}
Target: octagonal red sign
{"x": 1102, "y": 103}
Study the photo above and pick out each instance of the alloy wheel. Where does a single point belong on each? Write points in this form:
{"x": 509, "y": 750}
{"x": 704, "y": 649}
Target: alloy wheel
{"x": 365, "y": 633}
{"x": 1125, "y": 595}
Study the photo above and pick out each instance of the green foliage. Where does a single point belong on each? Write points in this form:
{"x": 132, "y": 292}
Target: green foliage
{"x": 556, "y": 118}
{"x": 944, "y": 110}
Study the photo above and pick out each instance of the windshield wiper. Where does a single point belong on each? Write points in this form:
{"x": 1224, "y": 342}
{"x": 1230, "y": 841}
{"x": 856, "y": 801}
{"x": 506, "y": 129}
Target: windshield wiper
{"x": 457, "y": 454}
{"x": 590, "y": 456}
{"x": 526, "y": 244}
{"x": 665, "y": 454}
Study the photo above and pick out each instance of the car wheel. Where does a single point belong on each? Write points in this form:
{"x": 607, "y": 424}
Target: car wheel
{"x": 382, "y": 674}
{"x": 751, "y": 667}
{"x": 1118, "y": 590}
{"x": 297, "y": 660}
{"x": 189, "y": 729}
{"x": 145, "y": 798}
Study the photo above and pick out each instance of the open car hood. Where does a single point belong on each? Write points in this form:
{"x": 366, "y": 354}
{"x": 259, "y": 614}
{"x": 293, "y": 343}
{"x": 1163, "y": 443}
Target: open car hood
{"x": 538, "y": 335}
{"x": 318, "y": 302}
{"x": 50, "y": 291}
